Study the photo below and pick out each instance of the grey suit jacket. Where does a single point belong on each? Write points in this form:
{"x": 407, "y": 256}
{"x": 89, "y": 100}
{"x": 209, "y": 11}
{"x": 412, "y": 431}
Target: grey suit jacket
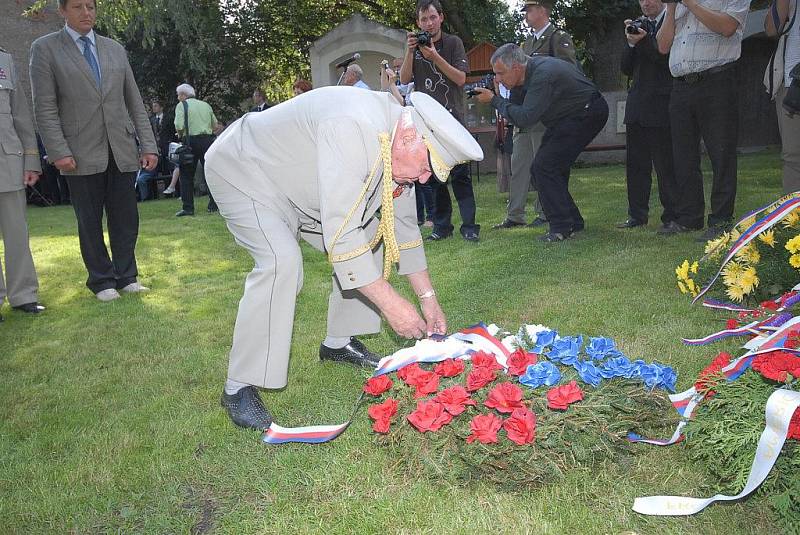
{"x": 18, "y": 149}
{"x": 75, "y": 117}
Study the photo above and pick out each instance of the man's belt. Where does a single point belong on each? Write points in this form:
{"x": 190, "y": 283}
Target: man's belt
{"x": 694, "y": 77}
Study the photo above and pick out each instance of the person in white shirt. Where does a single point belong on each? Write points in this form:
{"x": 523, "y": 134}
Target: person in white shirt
{"x": 354, "y": 76}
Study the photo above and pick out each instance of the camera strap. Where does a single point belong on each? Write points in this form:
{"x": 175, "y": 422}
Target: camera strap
{"x": 781, "y": 48}
{"x": 186, "y": 122}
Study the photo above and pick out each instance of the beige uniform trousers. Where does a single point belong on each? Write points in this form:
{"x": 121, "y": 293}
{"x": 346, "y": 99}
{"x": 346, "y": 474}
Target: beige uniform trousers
{"x": 262, "y": 337}
{"x": 20, "y": 284}
{"x": 526, "y": 142}
{"x": 790, "y": 142}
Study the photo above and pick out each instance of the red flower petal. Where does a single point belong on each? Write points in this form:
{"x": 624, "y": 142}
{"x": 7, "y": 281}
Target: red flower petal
{"x": 375, "y": 386}
{"x": 429, "y": 416}
{"x": 504, "y": 397}
{"x": 561, "y": 397}
{"x": 521, "y": 426}
{"x": 449, "y": 368}
{"x": 519, "y": 361}
{"x": 482, "y": 359}
{"x": 454, "y": 399}
{"x": 484, "y": 428}
{"x": 480, "y": 377}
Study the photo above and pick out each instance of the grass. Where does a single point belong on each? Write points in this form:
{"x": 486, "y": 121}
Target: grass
{"x": 109, "y": 414}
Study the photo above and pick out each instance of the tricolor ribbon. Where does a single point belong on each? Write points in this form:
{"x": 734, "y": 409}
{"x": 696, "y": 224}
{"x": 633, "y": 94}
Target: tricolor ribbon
{"x": 763, "y": 224}
{"x": 458, "y": 345}
{"x": 722, "y": 305}
{"x": 779, "y": 410}
{"x": 751, "y": 328}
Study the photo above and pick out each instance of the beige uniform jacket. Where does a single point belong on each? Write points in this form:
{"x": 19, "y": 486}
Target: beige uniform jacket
{"x": 19, "y": 150}
{"x": 309, "y": 158}
{"x": 77, "y": 118}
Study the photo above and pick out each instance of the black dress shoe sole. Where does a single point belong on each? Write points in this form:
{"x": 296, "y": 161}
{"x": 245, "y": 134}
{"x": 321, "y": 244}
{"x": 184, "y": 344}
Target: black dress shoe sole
{"x": 29, "y": 308}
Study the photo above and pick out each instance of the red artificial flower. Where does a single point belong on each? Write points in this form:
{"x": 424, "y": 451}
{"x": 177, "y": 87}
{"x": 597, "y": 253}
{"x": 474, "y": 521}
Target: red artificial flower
{"x": 376, "y": 386}
{"x": 794, "y": 426}
{"x": 449, "y": 368}
{"x": 454, "y": 399}
{"x": 382, "y": 414}
{"x": 519, "y": 361}
{"x": 504, "y": 397}
{"x": 429, "y": 416}
{"x": 731, "y": 324}
{"x": 409, "y": 374}
{"x": 776, "y": 365}
{"x": 704, "y": 382}
{"x": 480, "y": 377}
{"x": 428, "y": 383}
{"x": 793, "y": 339}
{"x": 482, "y": 359}
{"x": 484, "y": 428}
{"x": 521, "y": 426}
{"x": 561, "y": 397}
{"x": 769, "y": 305}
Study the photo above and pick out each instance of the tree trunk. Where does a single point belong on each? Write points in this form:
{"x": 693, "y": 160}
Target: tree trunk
{"x": 605, "y": 46}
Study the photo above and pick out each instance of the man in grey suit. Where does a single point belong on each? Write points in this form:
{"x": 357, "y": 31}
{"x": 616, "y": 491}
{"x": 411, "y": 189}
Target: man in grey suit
{"x": 90, "y": 114}
{"x": 19, "y": 167}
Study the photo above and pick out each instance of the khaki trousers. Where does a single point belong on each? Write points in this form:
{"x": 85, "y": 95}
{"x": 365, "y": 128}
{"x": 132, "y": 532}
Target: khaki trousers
{"x": 262, "y": 336}
{"x": 526, "y": 141}
{"x": 789, "y": 128}
{"x": 20, "y": 285}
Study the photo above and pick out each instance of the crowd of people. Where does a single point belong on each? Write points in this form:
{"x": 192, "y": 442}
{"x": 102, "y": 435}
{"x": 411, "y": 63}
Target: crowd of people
{"x": 339, "y": 141}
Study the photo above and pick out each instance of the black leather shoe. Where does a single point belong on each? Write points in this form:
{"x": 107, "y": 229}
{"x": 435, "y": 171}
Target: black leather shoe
{"x": 30, "y": 308}
{"x": 435, "y": 236}
{"x": 538, "y": 222}
{"x": 353, "y": 353}
{"x": 552, "y": 237}
{"x": 182, "y": 213}
{"x": 507, "y": 223}
{"x": 631, "y": 223}
{"x": 470, "y": 235}
{"x": 672, "y": 228}
{"x": 246, "y": 409}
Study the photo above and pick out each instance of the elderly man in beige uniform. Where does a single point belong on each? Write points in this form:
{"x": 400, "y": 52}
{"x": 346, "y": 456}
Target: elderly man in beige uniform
{"x": 19, "y": 167}
{"x": 320, "y": 166}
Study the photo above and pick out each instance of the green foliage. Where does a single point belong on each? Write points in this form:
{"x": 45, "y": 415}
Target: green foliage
{"x": 724, "y": 434}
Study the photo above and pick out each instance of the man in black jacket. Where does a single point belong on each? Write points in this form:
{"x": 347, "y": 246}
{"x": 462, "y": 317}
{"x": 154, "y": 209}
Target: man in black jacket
{"x": 647, "y": 117}
{"x": 164, "y": 132}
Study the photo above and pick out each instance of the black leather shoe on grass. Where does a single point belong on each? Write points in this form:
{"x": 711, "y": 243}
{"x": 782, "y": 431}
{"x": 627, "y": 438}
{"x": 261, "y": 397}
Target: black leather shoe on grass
{"x": 538, "y": 222}
{"x": 30, "y": 308}
{"x": 631, "y": 223}
{"x": 552, "y": 237}
{"x": 672, "y": 228}
{"x": 435, "y": 236}
{"x": 353, "y": 353}
{"x": 507, "y": 223}
{"x": 246, "y": 409}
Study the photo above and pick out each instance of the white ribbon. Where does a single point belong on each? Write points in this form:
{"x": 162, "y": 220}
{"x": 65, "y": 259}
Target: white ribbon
{"x": 780, "y": 408}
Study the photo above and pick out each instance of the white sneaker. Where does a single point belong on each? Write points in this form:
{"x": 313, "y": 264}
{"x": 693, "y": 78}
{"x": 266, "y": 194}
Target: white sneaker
{"x": 109, "y": 294}
{"x": 169, "y": 191}
{"x": 135, "y": 288}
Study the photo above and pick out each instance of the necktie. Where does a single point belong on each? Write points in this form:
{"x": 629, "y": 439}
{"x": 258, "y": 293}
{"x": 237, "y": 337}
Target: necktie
{"x": 87, "y": 53}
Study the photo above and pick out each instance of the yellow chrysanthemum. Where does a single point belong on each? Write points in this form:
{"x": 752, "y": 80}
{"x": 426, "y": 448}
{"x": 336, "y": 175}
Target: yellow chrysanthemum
{"x": 749, "y": 254}
{"x": 735, "y": 292}
{"x": 682, "y": 287}
{"x": 792, "y": 220}
{"x": 768, "y": 237}
{"x": 716, "y": 246}
{"x": 793, "y": 245}
{"x": 794, "y": 261}
{"x": 694, "y": 267}
{"x": 748, "y": 280}
{"x": 746, "y": 223}
{"x": 682, "y": 271}
{"x": 731, "y": 273}
{"x": 693, "y": 289}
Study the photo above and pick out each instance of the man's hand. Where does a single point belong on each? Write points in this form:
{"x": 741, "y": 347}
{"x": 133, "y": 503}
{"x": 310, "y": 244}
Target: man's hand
{"x": 67, "y": 163}
{"x": 404, "y": 319}
{"x": 429, "y": 52}
{"x": 434, "y": 316}
{"x": 484, "y": 95}
{"x": 30, "y": 178}
{"x": 634, "y": 38}
{"x": 411, "y": 40}
{"x": 148, "y": 161}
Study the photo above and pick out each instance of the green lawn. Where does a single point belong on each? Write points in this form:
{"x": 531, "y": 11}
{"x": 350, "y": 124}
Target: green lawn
{"x": 110, "y": 417}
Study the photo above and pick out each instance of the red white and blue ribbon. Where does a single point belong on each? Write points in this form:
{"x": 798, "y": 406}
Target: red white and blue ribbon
{"x": 459, "y": 345}
{"x": 751, "y": 328}
{"x": 779, "y": 410}
{"x": 763, "y": 224}
{"x": 722, "y": 305}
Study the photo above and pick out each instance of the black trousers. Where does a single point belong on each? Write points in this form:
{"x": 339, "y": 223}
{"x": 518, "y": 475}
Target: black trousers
{"x": 648, "y": 147}
{"x": 461, "y": 182}
{"x": 561, "y": 146}
{"x": 706, "y": 109}
{"x": 200, "y": 145}
{"x": 112, "y": 191}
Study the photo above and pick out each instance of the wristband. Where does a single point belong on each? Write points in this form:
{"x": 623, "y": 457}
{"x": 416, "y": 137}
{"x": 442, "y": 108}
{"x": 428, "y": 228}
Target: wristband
{"x": 426, "y": 295}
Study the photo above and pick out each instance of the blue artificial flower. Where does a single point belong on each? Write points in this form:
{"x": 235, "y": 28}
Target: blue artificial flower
{"x": 600, "y": 348}
{"x": 659, "y": 376}
{"x": 543, "y": 340}
{"x": 636, "y": 369}
{"x": 565, "y": 350}
{"x": 541, "y": 373}
{"x": 616, "y": 367}
{"x": 589, "y": 373}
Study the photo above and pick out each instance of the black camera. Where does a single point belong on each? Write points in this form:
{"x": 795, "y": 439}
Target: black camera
{"x": 424, "y": 39}
{"x": 636, "y": 26}
{"x": 487, "y": 82}
{"x": 791, "y": 102}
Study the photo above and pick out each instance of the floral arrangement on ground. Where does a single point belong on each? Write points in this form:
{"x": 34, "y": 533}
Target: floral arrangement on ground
{"x": 757, "y": 258}
{"x": 559, "y": 405}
